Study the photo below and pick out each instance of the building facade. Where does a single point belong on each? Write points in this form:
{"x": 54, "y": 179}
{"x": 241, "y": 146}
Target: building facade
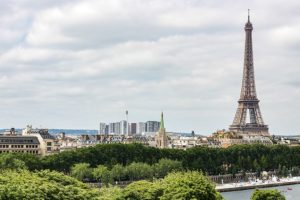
{"x": 48, "y": 143}
{"x": 102, "y": 128}
{"x": 152, "y": 126}
{"x": 20, "y": 144}
{"x": 141, "y": 128}
{"x": 133, "y": 128}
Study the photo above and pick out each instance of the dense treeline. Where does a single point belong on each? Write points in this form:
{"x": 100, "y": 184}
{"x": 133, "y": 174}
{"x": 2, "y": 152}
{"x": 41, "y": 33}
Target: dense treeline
{"x": 45, "y": 184}
{"x": 209, "y": 160}
{"x": 132, "y": 172}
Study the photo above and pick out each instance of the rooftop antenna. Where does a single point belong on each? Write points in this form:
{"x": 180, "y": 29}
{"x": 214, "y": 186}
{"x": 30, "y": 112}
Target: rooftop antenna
{"x": 127, "y": 123}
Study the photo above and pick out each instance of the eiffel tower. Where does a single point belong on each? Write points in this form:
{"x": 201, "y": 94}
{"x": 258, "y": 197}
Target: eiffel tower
{"x": 248, "y": 102}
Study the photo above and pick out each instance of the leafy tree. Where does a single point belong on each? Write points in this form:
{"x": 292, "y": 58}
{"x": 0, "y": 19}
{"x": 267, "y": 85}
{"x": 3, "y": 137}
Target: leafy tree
{"x": 102, "y": 174}
{"x": 164, "y": 166}
{"x": 9, "y": 161}
{"x": 285, "y": 171}
{"x": 256, "y": 166}
{"x": 143, "y": 190}
{"x": 118, "y": 172}
{"x": 295, "y": 171}
{"x": 111, "y": 193}
{"x": 188, "y": 185}
{"x": 32, "y": 162}
{"x": 22, "y": 184}
{"x": 263, "y": 162}
{"x": 81, "y": 171}
{"x": 138, "y": 171}
{"x": 267, "y": 195}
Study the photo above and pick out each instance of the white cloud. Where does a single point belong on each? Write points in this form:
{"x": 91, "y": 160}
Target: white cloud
{"x": 71, "y": 64}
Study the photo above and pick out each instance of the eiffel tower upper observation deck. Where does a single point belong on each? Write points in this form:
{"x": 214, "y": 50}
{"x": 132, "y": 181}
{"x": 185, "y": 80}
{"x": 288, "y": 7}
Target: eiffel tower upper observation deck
{"x": 248, "y": 102}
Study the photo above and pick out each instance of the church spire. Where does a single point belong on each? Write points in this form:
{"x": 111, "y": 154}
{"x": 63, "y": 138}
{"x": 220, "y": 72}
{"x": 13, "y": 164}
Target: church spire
{"x": 162, "y": 125}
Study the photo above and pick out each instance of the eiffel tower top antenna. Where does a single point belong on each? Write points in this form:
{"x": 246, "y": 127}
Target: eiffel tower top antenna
{"x": 248, "y": 15}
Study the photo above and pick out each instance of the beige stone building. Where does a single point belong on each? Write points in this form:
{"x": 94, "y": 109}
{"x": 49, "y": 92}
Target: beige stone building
{"x": 19, "y": 144}
{"x": 48, "y": 143}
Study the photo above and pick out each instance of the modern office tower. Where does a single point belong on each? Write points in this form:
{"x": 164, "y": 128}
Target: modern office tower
{"x": 152, "y": 126}
{"x": 106, "y": 129}
{"x": 117, "y": 126}
{"x": 127, "y": 125}
{"x": 111, "y": 128}
{"x": 141, "y": 128}
{"x": 133, "y": 128}
{"x": 102, "y": 128}
{"x": 248, "y": 106}
{"x": 123, "y": 127}
{"x": 114, "y": 128}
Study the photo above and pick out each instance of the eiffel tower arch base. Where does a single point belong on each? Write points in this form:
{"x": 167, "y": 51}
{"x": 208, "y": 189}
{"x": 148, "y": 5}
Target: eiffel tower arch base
{"x": 250, "y": 129}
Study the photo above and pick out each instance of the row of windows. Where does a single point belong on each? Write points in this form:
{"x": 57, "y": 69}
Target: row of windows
{"x": 16, "y": 141}
{"x": 18, "y": 146}
{"x": 20, "y": 151}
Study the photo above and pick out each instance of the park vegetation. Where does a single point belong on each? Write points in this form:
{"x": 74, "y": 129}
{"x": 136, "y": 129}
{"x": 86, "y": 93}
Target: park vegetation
{"x": 45, "y": 184}
{"x": 211, "y": 161}
{"x": 153, "y": 173}
{"x": 132, "y": 172}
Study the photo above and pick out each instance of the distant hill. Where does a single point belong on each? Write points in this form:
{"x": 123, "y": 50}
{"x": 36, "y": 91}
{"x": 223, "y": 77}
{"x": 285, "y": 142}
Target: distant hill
{"x": 67, "y": 131}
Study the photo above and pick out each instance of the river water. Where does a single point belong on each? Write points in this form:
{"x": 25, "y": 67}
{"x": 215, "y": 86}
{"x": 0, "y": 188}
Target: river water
{"x": 293, "y": 194}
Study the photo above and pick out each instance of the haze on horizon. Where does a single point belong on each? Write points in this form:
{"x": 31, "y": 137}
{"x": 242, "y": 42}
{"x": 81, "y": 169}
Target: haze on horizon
{"x": 71, "y": 64}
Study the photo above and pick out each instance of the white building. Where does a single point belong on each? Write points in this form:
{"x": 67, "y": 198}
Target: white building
{"x": 141, "y": 128}
{"x": 123, "y": 127}
{"x": 102, "y": 128}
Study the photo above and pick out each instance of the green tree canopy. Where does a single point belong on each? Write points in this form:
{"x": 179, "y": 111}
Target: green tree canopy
{"x": 9, "y": 161}
{"x": 164, "y": 166}
{"x": 102, "y": 174}
{"x": 143, "y": 190}
{"x": 22, "y": 184}
{"x": 111, "y": 193}
{"x": 138, "y": 171}
{"x": 81, "y": 171}
{"x": 118, "y": 172}
{"x": 267, "y": 195}
{"x": 188, "y": 185}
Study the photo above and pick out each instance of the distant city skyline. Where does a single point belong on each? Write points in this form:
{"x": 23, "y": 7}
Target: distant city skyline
{"x": 73, "y": 64}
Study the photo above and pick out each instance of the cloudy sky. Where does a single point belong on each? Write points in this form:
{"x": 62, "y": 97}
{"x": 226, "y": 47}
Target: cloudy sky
{"x": 72, "y": 63}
